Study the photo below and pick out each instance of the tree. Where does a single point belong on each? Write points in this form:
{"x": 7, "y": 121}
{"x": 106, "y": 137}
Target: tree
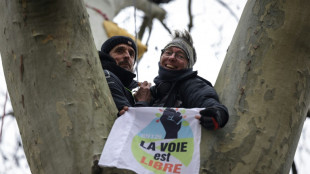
{"x": 265, "y": 81}
{"x": 64, "y": 109}
{"x": 59, "y": 94}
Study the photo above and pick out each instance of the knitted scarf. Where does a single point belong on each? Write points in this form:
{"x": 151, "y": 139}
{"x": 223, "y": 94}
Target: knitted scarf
{"x": 166, "y": 75}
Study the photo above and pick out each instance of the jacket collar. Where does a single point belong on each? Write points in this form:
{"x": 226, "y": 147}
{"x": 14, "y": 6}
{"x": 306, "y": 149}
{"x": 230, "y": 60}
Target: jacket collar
{"x": 108, "y": 63}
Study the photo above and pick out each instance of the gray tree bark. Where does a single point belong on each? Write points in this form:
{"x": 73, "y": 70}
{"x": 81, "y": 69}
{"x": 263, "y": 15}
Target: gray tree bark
{"x": 64, "y": 109}
{"x": 59, "y": 94}
{"x": 265, "y": 82}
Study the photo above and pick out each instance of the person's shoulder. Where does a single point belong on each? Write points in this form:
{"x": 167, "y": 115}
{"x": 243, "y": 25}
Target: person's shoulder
{"x": 197, "y": 80}
{"x": 109, "y": 75}
{"x": 133, "y": 84}
{"x": 205, "y": 81}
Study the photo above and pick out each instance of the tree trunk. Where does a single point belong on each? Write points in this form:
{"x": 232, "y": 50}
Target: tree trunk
{"x": 64, "y": 109}
{"x": 57, "y": 87}
{"x": 265, "y": 82}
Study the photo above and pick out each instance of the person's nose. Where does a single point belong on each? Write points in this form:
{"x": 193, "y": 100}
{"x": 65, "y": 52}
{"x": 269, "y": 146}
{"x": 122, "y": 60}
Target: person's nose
{"x": 172, "y": 57}
{"x": 126, "y": 54}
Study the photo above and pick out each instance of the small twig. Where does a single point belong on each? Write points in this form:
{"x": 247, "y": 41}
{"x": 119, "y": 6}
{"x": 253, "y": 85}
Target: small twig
{"x": 190, "y": 15}
{"x": 148, "y": 38}
{"x": 165, "y": 26}
{"x": 229, "y": 9}
{"x": 294, "y": 169}
{"x": 2, "y": 121}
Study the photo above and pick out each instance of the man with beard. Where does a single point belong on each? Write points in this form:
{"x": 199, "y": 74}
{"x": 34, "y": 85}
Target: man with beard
{"x": 118, "y": 55}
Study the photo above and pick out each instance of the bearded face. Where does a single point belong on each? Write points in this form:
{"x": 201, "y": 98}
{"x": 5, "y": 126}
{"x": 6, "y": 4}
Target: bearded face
{"x": 124, "y": 55}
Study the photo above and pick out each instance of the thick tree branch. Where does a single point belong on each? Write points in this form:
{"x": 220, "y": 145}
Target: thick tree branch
{"x": 144, "y": 5}
{"x": 147, "y": 23}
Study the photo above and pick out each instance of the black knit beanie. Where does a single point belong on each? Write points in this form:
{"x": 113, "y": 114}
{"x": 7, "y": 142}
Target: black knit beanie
{"x": 109, "y": 44}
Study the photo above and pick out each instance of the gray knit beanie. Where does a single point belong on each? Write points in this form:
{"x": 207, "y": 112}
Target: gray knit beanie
{"x": 183, "y": 40}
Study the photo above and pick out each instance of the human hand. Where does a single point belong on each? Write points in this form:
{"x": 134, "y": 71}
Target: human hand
{"x": 171, "y": 121}
{"x": 144, "y": 92}
{"x": 210, "y": 118}
{"x": 121, "y": 112}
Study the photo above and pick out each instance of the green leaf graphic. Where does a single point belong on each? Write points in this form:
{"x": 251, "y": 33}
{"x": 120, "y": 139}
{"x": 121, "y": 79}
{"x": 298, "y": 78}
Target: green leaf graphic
{"x": 185, "y": 123}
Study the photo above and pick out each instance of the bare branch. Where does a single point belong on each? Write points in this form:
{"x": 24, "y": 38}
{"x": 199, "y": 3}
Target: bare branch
{"x": 165, "y": 26}
{"x": 229, "y": 9}
{"x": 151, "y": 11}
{"x": 150, "y": 31}
{"x": 143, "y": 26}
{"x": 144, "y": 5}
{"x": 190, "y": 15}
{"x": 2, "y": 121}
{"x": 147, "y": 23}
{"x": 160, "y": 1}
{"x": 294, "y": 169}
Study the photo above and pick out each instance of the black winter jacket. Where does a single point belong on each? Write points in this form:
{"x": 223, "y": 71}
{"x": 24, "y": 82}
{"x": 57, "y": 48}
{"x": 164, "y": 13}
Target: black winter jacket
{"x": 121, "y": 82}
{"x": 185, "y": 89}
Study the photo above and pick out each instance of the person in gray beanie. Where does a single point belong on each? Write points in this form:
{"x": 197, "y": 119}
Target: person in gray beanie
{"x": 118, "y": 56}
{"x": 178, "y": 86}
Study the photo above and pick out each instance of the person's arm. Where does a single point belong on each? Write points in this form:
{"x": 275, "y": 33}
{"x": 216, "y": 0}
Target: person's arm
{"x": 117, "y": 91}
{"x": 199, "y": 94}
{"x": 142, "y": 97}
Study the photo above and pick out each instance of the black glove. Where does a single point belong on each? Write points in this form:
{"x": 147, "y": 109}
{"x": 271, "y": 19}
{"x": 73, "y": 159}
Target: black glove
{"x": 213, "y": 118}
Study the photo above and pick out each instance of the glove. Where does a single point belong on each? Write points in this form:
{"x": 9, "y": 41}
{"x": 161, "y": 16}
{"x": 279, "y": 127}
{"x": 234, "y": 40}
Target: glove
{"x": 213, "y": 118}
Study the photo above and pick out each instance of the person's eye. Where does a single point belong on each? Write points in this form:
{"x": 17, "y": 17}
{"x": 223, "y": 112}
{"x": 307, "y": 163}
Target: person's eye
{"x": 168, "y": 52}
{"x": 119, "y": 50}
{"x": 131, "y": 53}
{"x": 180, "y": 56}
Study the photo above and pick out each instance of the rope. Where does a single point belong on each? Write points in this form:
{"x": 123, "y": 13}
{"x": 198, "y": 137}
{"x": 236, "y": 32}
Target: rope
{"x": 135, "y": 21}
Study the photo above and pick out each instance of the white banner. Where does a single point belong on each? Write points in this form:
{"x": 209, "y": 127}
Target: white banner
{"x": 154, "y": 140}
